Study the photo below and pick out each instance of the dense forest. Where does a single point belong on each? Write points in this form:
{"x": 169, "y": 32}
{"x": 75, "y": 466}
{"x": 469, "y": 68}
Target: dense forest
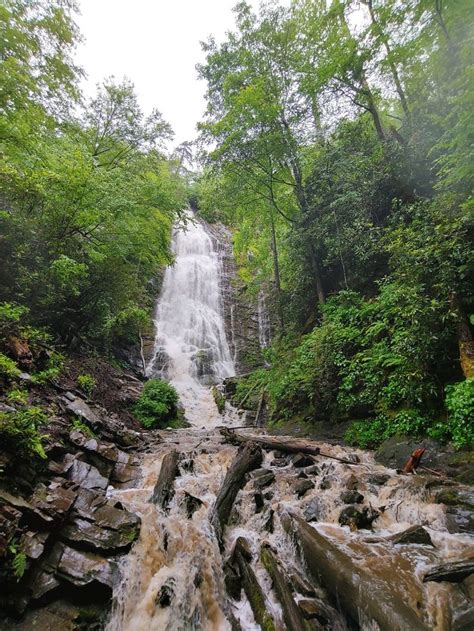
{"x": 341, "y": 137}
{"x": 336, "y": 145}
{"x": 221, "y": 364}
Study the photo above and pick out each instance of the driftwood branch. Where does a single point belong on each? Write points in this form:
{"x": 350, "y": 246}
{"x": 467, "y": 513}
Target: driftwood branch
{"x": 248, "y": 457}
{"x": 163, "y": 491}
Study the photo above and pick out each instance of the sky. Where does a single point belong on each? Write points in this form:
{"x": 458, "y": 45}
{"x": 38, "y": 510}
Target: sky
{"x": 155, "y": 44}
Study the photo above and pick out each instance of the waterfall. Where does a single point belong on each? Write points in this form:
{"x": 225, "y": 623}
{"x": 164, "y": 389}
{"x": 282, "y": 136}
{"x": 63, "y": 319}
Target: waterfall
{"x": 173, "y": 578}
{"x": 191, "y": 349}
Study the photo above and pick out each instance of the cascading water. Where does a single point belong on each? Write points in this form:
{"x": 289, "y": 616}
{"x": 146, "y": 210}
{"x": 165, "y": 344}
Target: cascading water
{"x": 173, "y": 577}
{"x": 191, "y": 348}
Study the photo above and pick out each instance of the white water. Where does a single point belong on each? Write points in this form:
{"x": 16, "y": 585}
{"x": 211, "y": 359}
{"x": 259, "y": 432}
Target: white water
{"x": 191, "y": 348}
{"x": 180, "y": 551}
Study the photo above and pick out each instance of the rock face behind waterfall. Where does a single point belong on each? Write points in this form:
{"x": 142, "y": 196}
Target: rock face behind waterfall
{"x": 241, "y": 313}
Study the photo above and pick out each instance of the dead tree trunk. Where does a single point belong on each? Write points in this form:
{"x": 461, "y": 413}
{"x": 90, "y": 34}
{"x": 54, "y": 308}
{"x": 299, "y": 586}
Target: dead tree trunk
{"x": 248, "y": 457}
{"x": 251, "y": 586}
{"x": 352, "y": 587}
{"x": 163, "y": 491}
{"x": 292, "y": 446}
{"x": 291, "y": 613}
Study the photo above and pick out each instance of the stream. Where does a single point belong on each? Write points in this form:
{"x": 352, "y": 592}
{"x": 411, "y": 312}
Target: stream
{"x": 173, "y": 578}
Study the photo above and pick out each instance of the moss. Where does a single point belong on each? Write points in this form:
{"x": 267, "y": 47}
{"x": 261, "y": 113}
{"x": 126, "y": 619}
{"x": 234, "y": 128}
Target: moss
{"x": 218, "y": 398}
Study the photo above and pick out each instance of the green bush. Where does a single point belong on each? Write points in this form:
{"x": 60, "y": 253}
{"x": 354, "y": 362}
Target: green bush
{"x": 8, "y": 368}
{"x": 19, "y": 397}
{"x": 157, "y": 404}
{"x": 20, "y": 431}
{"x": 371, "y": 432}
{"x": 53, "y": 370}
{"x": 87, "y": 383}
{"x": 460, "y": 405}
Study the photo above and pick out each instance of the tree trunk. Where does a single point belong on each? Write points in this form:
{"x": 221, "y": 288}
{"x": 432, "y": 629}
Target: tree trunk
{"x": 291, "y": 613}
{"x": 352, "y": 586}
{"x": 276, "y": 270}
{"x": 293, "y": 445}
{"x": 251, "y": 587}
{"x": 248, "y": 457}
{"x": 464, "y": 335}
{"x": 163, "y": 491}
{"x": 393, "y": 67}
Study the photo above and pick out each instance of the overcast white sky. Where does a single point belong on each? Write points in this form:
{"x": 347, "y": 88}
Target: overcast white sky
{"x": 155, "y": 43}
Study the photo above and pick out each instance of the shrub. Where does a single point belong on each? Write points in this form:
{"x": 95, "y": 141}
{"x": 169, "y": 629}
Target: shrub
{"x": 20, "y": 397}
{"x": 460, "y": 405}
{"x": 371, "y": 432}
{"x": 157, "y": 404}
{"x": 87, "y": 383}
{"x": 19, "y": 431}
{"x": 53, "y": 370}
{"x": 8, "y": 368}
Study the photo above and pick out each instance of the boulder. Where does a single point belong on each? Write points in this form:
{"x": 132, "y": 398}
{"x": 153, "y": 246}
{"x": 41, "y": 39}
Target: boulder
{"x": 82, "y": 568}
{"x": 302, "y": 460}
{"x": 300, "y": 487}
{"x": 314, "y": 510}
{"x": 352, "y": 497}
{"x": 261, "y": 477}
{"x": 379, "y": 479}
{"x": 33, "y": 543}
{"x": 357, "y": 518}
{"x": 192, "y": 504}
{"x": 87, "y": 475}
{"x": 9, "y": 520}
{"x": 259, "y": 502}
{"x": 78, "y": 407}
{"x": 414, "y": 534}
{"x": 312, "y": 609}
{"x": 56, "y": 499}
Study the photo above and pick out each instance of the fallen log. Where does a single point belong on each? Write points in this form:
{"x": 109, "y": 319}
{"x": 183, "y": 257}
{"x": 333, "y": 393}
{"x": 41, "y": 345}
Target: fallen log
{"x": 269, "y": 442}
{"x": 291, "y": 613}
{"x": 251, "y": 586}
{"x": 248, "y": 457}
{"x": 352, "y": 587}
{"x": 290, "y": 445}
{"x": 451, "y": 572}
{"x": 163, "y": 491}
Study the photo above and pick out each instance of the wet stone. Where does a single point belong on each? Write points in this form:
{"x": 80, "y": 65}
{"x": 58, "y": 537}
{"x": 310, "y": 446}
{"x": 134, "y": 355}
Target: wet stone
{"x": 279, "y": 462}
{"x": 415, "y": 534}
{"x": 192, "y": 504}
{"x": 268, "y": 495}
{"x": 9, "y": 519}
{"x": 325, "y": 484}
{"x": 312, "y": 470}
{"x": 314, "y": 510}
{"x": 268, "y": 524}
{"x": 357, "y": 518}
{"x": 87, "y": 475}
{"x": 259, "y": 502}
{"x": 312, "y": 610}
{"x": 262, "y": 478}
{"x": 352, "y": 497}
{"x": 300, "y": 487}
{"x": 378, "y": 479}
{"x": 302, "y": 460}
{"x": 165, "y": 595}
{"x": 301, "y": 585}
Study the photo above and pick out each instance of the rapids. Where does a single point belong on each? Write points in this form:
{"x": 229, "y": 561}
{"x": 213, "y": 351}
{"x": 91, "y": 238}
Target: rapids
{"x": 173, "y": 578}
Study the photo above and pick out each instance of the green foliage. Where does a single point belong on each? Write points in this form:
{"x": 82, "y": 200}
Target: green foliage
{"x": 52, "y": 371}
{"x": 8, "y": 368}
{"x": 82, "y": 427}
{"x": 157, "y": 404}
{"x": 87, "y": 383}
{"x": 17, "y": 396}
{"x": 19, "y": 560}
{"x": 460, "y": 405}
{"x": 370, "y": 433}
{"x": 20, "y": 431}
